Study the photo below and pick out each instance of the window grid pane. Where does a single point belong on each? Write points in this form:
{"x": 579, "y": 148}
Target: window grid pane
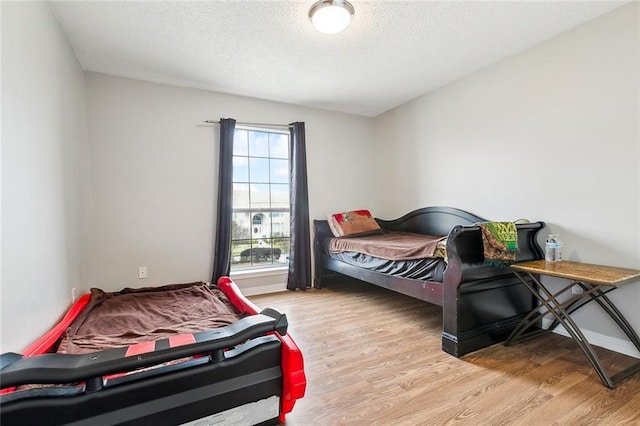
{"x": 240, "y": 142}
{"x": 261, "y": 230}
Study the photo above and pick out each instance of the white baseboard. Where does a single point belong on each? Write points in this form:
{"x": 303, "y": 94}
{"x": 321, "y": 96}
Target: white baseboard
{"x": 612, "y": 343}
{"x": 260, "y": 281}
{"x": 264, "y": 289}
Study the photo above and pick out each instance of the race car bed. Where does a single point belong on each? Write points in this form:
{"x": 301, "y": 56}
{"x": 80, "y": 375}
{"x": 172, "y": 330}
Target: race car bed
{"x": 177, "y": 354}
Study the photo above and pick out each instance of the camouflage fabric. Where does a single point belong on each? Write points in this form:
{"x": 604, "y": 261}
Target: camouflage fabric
{"x": 500, "y": 241}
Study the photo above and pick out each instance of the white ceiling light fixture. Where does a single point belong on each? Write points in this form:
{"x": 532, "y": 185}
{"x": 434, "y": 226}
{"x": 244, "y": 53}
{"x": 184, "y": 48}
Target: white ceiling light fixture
{"x": 331, "y": 16}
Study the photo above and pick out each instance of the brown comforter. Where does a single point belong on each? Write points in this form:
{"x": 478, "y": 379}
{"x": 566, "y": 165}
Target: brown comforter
{"x": 390, "y": 245}
{"x": 133, "y": 316}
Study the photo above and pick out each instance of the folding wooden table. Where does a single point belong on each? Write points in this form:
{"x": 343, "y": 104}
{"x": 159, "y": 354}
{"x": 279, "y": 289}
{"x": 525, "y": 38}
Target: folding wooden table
{"x": 595, "y": 282}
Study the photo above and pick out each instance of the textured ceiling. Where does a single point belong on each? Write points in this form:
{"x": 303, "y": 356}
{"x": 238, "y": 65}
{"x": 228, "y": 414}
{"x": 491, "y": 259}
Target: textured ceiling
{"x": 393, "y": 51}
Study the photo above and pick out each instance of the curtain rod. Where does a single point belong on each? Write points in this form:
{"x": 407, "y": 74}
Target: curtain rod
{"x": 240, "y": 123}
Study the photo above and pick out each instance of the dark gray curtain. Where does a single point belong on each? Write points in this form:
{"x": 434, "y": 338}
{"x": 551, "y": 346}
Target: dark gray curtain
{"x": 222, "y": 253}
{"x": 300, "y": 249}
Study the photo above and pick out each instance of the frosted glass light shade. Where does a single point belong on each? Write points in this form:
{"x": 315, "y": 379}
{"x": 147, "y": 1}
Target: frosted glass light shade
{"x": 331, "y": 16}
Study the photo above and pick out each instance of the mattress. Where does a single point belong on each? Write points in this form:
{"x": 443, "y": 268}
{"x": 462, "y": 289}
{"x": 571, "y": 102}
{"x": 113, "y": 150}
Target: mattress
{"x": 426, "y": 269}
{"x": 134, "y": 316}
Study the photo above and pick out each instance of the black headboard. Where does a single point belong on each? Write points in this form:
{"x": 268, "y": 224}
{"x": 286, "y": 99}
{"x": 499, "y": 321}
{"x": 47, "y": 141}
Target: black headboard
{"x": 431, "y": 220}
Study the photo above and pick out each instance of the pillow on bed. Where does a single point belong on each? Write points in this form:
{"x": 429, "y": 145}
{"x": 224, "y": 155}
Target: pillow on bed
{"x": 356, "y": 222}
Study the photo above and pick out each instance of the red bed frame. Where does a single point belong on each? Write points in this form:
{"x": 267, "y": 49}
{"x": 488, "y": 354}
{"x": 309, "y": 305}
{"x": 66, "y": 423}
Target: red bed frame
{"x": 230, "y": 368}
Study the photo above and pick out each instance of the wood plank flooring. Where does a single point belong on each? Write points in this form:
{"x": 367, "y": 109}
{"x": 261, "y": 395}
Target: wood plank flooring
{"x": 373, "y": 357}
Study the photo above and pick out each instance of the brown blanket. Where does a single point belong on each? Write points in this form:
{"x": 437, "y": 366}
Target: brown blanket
{"x": 390, "y": 245}
{"x": 133, "y": 316}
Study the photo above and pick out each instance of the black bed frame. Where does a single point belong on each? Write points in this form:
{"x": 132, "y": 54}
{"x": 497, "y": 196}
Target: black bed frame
{"x": 480, "y": 304}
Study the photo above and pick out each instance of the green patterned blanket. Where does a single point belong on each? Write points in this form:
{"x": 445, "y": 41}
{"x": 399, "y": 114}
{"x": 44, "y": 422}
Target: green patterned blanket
{"x": 500, "y": 242}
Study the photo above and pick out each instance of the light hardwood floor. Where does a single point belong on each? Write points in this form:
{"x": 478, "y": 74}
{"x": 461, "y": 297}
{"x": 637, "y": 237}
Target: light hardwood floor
{"x": 373, "y": 357}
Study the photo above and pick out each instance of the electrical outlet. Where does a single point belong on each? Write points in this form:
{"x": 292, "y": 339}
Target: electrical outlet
{"x": 142, "y": 272}
{"x": 74, "y": 294}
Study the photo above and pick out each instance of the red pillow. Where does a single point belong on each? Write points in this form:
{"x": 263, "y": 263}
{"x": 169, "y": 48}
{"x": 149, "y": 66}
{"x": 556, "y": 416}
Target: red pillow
{"x": 356, "y": 222}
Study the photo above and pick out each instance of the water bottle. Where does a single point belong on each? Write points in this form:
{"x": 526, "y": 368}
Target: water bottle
{"x": 550, "y": 248}
{"x": 558, "y": 256}
{"x": 553, "y": 248}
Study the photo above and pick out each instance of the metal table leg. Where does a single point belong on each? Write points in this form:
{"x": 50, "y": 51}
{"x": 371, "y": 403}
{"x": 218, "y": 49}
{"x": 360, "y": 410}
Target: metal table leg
{"x": 549, "y": 304}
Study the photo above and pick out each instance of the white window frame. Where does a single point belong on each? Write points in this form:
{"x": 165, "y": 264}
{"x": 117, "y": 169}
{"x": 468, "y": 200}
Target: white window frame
{"x": 259, "y": 259}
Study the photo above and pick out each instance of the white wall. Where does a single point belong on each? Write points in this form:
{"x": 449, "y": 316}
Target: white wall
{"x": 44, "y": 173}
{"x": 549, "y": 134}
{"x": 154, "y": 176}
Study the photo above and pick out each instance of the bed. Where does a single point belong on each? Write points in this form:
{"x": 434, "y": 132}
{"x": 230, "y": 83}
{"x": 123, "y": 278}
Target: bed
{"x": 480, "y": 304}
{"x": 190, "y": 353}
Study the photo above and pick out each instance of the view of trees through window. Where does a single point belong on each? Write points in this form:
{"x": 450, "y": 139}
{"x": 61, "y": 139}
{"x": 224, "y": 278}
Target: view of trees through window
{"x": 260, "y": 225}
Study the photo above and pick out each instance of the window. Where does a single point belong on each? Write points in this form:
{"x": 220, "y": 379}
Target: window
{"x": 260, "y": 221}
